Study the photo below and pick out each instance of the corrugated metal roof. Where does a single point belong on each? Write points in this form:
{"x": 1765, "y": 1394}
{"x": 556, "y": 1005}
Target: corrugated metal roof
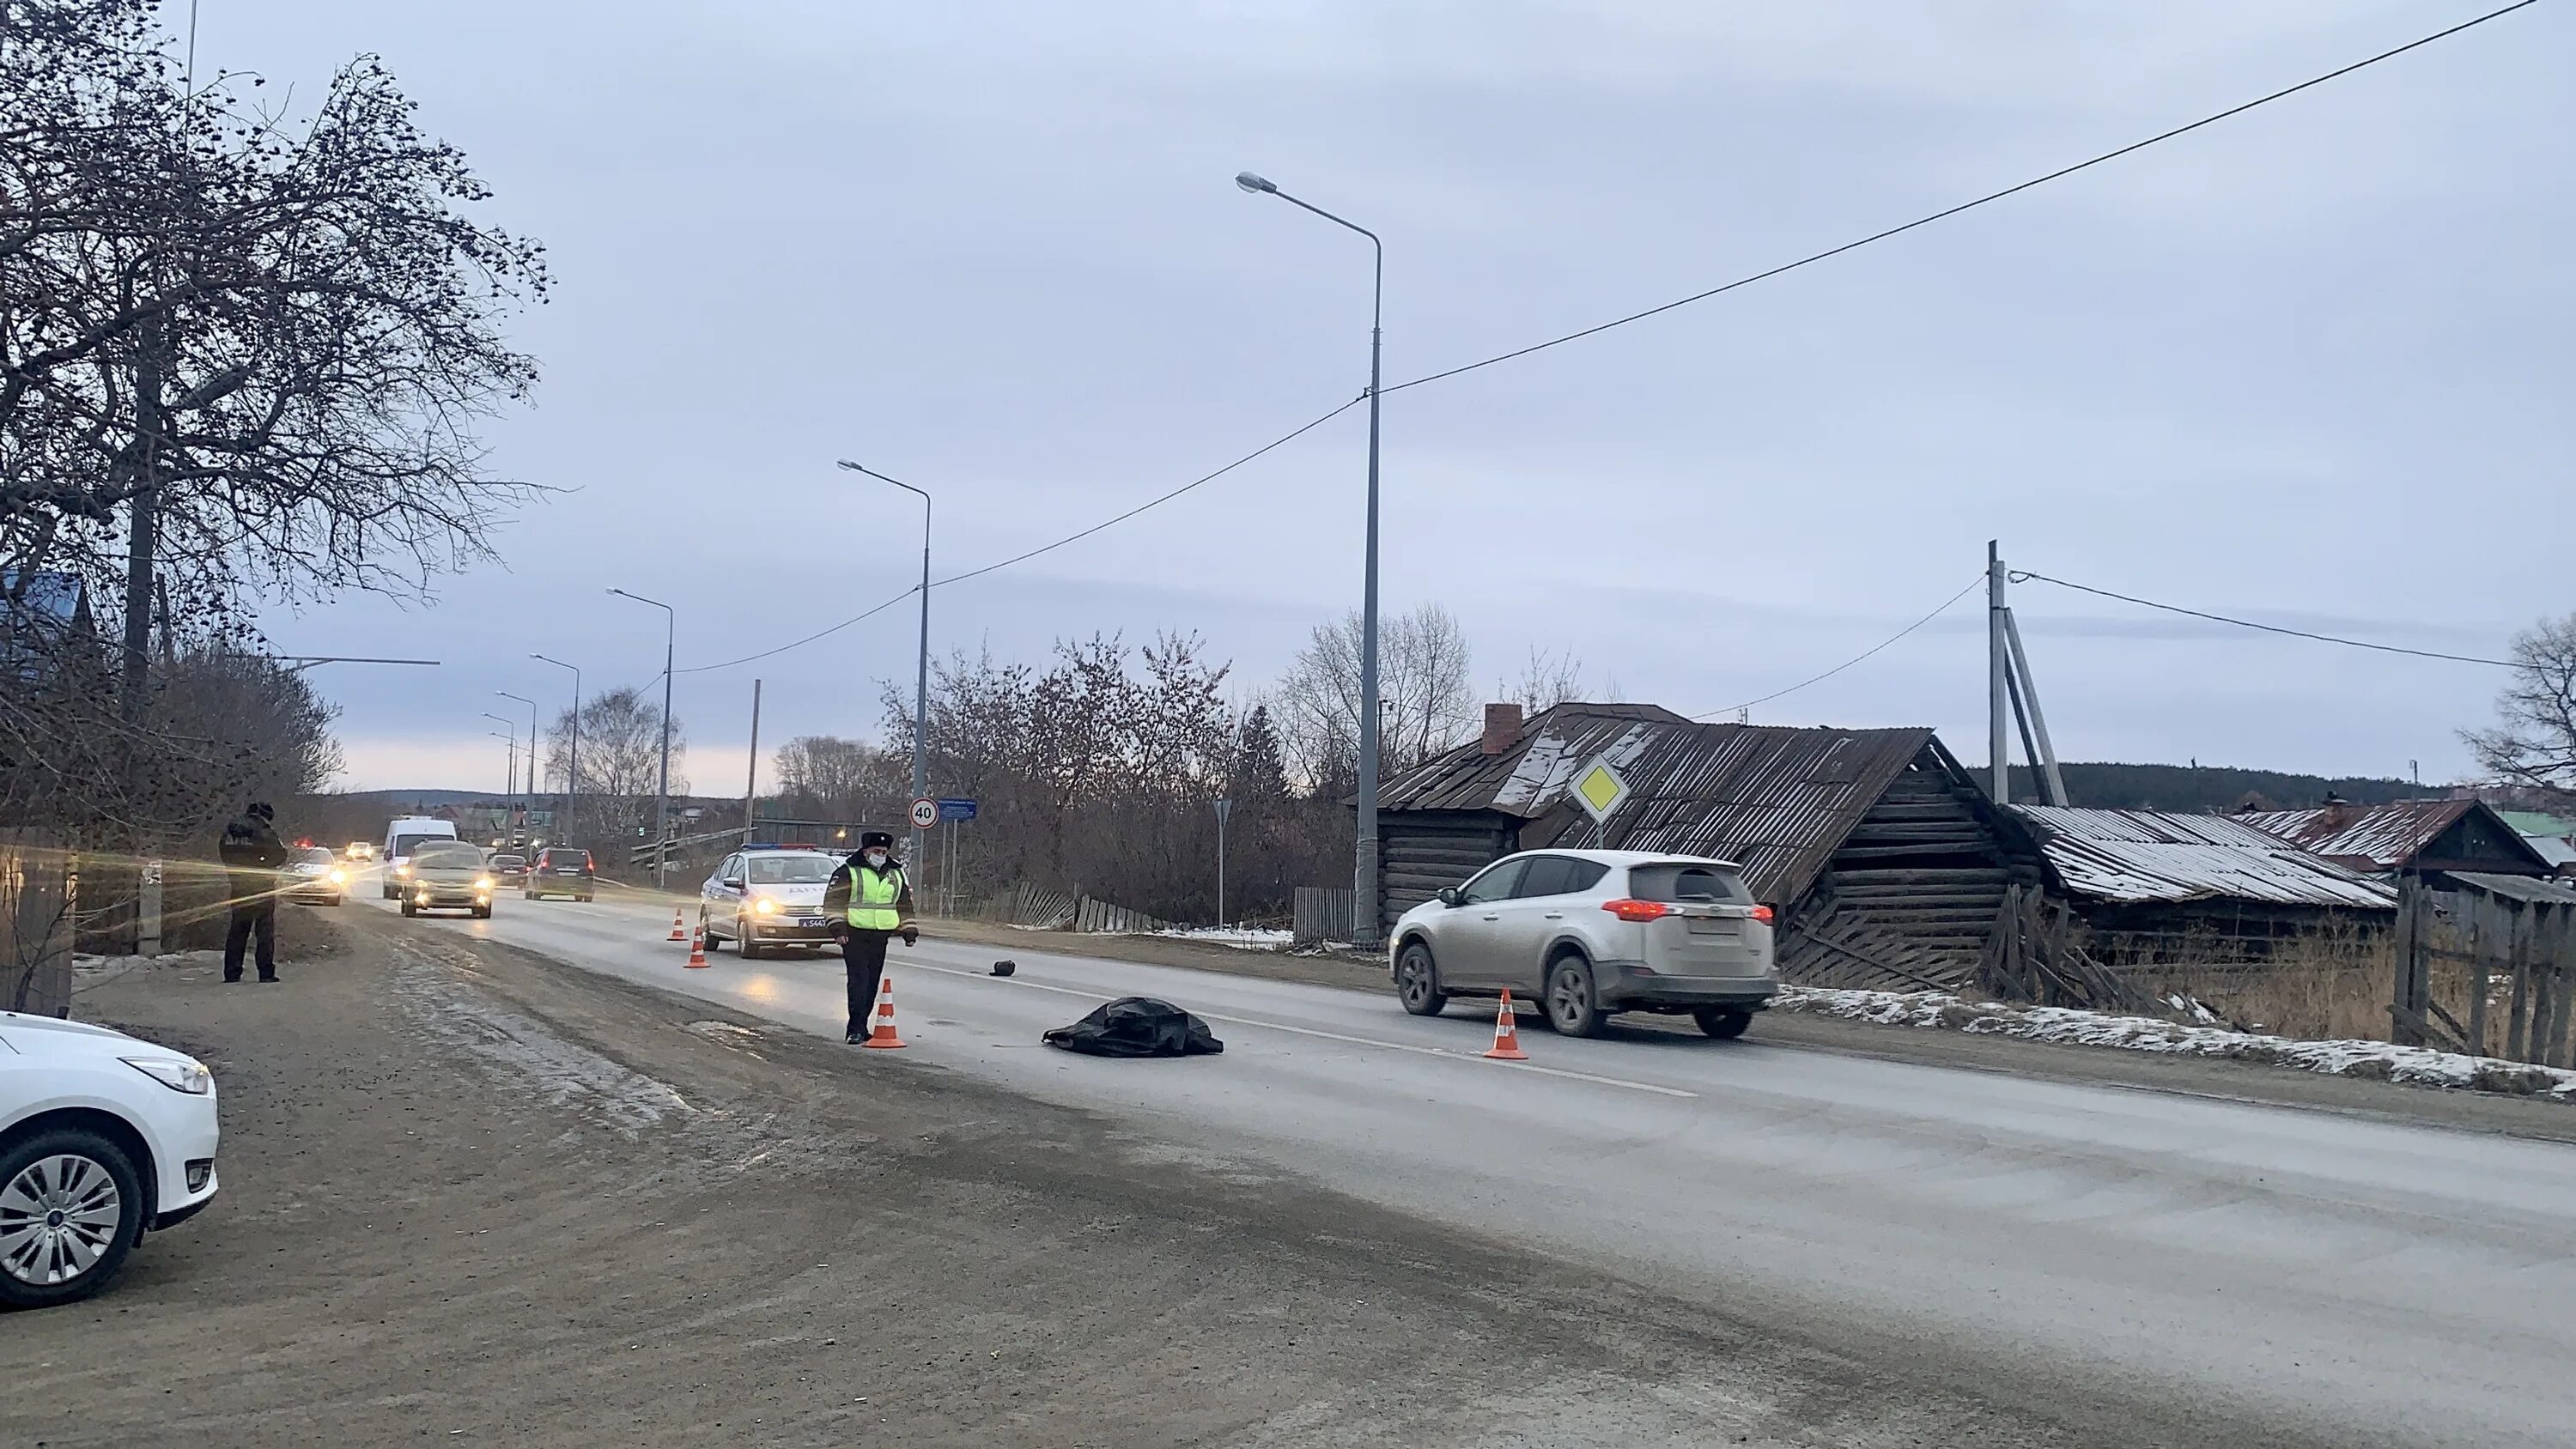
{"x": 1777, "y": 800}
{"x": 2519, "y": 887}
{"x": 2388, "y": 836}
{"x": 2144, "y": 855}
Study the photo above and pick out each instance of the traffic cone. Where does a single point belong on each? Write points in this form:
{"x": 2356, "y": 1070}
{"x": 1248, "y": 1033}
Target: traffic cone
{"x": 678, "y": 931}
{"x": 1507, "y": 1034}
{"x": 697, "y": 948}
{"x": 882, "y": 1034}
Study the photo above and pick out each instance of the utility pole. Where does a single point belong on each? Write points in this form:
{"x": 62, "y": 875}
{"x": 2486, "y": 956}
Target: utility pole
{"x": 751, "y": 777}
{"x": 1223, "y": 808}
{"x": 142, "y": 522}
{"x": 1998, "y": 701}
{"x": 921, "y": 680}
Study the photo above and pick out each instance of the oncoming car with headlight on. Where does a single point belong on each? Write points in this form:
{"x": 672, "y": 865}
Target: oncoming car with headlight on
{"x": 768, "y": 895}
{"x": 447, "y": 875}
{"x": 315, "y": 877}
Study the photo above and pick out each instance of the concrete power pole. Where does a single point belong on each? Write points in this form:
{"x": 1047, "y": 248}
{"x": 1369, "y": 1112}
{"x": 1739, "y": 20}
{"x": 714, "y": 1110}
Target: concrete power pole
{"x": 1998, "y": 683}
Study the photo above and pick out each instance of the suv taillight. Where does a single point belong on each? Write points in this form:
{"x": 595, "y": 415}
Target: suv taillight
{"x": 1762, "y": 914}
{"x": 1635, "y": 910}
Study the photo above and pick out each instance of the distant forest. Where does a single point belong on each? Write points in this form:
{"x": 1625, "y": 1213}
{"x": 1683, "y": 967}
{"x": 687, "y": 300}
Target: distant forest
{"x": 2201, "y": 789}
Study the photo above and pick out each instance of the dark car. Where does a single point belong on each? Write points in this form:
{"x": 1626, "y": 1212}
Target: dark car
{"x": 561, "y": 870}
{"x": 510, "y": 870}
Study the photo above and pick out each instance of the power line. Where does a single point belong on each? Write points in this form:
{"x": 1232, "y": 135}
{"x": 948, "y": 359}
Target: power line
{"x": 1992, "y": 196}
{"x": 2019, "y": 576}
{"x": 1739, "y": 282}
{"x": 1277, "y": 442}
{"x": 1857, "y": 658}
{"x": 1155, "y": 502}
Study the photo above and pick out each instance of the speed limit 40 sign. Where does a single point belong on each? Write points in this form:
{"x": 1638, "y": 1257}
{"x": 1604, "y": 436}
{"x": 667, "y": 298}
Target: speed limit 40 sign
{"x": 925, "y": 813}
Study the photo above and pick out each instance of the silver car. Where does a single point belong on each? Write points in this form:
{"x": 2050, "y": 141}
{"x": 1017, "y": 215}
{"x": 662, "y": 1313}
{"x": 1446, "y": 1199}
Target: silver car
{"x": 1590, "y": 933}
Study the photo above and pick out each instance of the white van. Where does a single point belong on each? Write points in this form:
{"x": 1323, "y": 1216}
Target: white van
{"x": 405, "y": 832}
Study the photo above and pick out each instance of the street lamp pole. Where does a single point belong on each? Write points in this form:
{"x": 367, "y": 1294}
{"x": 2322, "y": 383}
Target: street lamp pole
{"x": 1364, "y": 867}
{"x": 510, "y": 778}
{"x": 662, "y": 800}
{"x": 921, "y": 680}
{"x": 532, "y": 744}
{"x": 572, "y": 754}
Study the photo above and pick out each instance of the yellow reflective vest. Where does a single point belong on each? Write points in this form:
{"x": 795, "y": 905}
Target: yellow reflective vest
{"x": 873, "y": 896}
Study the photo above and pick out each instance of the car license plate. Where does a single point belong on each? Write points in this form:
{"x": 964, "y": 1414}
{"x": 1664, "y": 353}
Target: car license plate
{"x": 567, "y": 870}
{"x": 809, "y": 920}
{"x": 1714, "y": 926}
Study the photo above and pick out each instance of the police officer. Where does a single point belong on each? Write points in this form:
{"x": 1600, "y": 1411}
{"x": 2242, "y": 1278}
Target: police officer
{"x": 868, "y": 900}
{"x": 252, "y": 855}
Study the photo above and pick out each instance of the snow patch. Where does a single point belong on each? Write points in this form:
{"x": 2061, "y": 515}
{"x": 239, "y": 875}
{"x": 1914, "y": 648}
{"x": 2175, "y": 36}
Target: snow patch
{"x": 2375, "y": 1060}
{"x": 564, "y": 1074}
{"x": 1242, "y": 938}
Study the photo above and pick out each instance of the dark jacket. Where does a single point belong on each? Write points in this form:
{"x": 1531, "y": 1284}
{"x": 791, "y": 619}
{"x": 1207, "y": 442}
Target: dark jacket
{"x": 252, "y": 855}
{"x": 837, "y": 893}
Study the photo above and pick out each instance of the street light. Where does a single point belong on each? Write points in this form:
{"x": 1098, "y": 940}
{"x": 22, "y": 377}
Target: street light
{"x": 1364, "y": 894}
{"x": 511, "y": 782}
{"x": 921, "y": 681}
{"x": 532, "y": 744}
{"x": 662, "y": 801}
{"x": 572, "y": 760}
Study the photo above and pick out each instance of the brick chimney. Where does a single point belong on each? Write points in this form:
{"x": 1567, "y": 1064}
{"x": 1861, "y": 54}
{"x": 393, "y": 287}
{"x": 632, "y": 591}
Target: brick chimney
{"x": 1502, "y": 728}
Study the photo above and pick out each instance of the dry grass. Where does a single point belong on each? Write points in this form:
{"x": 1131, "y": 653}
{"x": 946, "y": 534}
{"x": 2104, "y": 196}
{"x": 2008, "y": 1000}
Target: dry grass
{"x": 2332, "y": 984}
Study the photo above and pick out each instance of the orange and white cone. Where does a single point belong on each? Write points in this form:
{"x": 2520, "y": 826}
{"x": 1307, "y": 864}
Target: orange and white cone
{"x": 698, "y": 948}
{"x": 882, "y": 1033}
{"x": 678, "y": 932}
{"x": 1507, "y": 1034}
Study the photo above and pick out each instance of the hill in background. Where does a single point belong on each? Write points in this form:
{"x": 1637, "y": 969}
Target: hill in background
{"x": 2203, "y": 789}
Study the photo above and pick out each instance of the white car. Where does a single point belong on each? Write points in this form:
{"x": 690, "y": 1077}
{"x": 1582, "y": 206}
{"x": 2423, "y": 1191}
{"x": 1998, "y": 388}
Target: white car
{"x": 1590, "y": 933}
{"x": 763, "y": 897}
{"x": 103, "y": 1137}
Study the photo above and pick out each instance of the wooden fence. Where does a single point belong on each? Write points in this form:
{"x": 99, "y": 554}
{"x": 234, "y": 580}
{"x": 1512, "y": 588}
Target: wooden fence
{"x": 1324, "y": 913}
{"x": 2502, "y": 949}
{"x": 1042, "y": 908}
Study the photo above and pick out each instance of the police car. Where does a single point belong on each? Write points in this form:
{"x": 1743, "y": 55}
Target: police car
{"x": 765, "y": 896}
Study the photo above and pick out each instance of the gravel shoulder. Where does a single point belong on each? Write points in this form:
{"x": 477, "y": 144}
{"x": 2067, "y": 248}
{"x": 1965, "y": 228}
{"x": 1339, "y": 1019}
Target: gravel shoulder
{"x": 474, "y": 1196}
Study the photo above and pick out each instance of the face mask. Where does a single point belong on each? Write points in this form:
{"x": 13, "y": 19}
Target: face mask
{"x": 876, "y": 858}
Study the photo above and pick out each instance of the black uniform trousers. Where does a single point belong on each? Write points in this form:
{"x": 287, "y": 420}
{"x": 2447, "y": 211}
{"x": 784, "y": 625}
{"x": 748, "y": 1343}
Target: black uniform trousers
{"x": 863, "y": 956}
{"x": 259, "y": 917}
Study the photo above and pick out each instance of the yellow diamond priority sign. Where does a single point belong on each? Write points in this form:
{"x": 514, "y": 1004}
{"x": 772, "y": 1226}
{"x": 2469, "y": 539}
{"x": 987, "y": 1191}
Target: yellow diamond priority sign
{"x": 1600, "y": 790}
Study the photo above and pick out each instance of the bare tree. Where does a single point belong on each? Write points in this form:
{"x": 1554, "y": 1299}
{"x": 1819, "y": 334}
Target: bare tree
{"x": 1548, "y": 680}
{"x": 621, "y": 757}
{"x": 2533, "y": 743}
{"x": 1423, "y": 689}
{"x": 842, "y": 779}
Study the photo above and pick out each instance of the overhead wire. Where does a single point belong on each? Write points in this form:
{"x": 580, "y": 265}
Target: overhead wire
{"x": 1155, "y": 502}
{"x": 1948, "y": 212}
{"x": 1701, "y": 296}
{"x": 1855, "y": 659}
{"x": 2021, "y": 575}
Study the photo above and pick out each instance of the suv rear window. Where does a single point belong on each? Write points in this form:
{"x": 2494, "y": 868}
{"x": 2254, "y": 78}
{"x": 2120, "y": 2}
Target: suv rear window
{"x": 1559, "y": 875}
{"x": 1682, "y": 882}
{"x": 567, "y": 860}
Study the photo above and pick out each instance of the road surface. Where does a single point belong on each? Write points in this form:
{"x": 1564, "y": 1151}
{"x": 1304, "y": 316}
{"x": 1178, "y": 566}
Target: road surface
{"x": 2319, "y": 1276}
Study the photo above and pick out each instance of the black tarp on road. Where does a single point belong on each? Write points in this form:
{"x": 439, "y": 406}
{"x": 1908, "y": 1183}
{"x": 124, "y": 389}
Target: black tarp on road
{"x": 1137, "y": 1026}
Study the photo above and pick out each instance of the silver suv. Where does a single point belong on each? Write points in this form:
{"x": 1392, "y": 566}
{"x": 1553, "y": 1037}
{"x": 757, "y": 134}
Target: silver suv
{"x": 1589, "y": 933}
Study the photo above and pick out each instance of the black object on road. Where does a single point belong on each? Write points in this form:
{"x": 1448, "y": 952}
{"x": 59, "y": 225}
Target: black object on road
{"x": 1137, "y": 1026}
{"x": 1005, "y": 968}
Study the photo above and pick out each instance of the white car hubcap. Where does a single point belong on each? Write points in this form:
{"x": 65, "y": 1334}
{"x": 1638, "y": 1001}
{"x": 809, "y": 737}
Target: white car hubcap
{"x": 57, "y": 1219}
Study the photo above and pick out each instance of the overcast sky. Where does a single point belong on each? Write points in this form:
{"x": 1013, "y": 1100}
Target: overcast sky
{"x": 2311, "y": 364}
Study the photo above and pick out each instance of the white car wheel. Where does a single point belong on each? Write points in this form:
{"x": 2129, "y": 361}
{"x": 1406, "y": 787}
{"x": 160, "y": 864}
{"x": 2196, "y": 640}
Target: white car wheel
{"x": 70, "y": 1209}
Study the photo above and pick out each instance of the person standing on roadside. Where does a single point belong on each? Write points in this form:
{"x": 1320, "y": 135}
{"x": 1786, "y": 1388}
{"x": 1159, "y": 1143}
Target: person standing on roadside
{"x": 252, "y": 855}
{"x": 869, "y": 899}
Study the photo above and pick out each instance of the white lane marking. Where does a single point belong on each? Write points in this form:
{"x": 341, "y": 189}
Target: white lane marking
{"x": 1394, "y": 1046}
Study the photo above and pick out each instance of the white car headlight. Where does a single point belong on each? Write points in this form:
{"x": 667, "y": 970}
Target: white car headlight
{"x": 179, "y": 1076}
{"x": 483, "y": 883}
{"x": 763, "y": 905}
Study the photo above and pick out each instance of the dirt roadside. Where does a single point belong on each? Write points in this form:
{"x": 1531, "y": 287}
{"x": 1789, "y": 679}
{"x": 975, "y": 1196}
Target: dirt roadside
{"x": 471, "y": 1196}
{"x": 2099, "y": 1066}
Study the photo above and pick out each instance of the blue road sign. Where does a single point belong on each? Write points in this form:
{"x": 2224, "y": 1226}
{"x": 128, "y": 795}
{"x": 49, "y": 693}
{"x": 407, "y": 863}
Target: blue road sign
{"x": 956, "y": 809}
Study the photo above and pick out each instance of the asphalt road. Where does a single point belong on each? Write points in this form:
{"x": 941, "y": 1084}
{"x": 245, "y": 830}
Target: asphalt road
{"x": 2317, "y": 1275}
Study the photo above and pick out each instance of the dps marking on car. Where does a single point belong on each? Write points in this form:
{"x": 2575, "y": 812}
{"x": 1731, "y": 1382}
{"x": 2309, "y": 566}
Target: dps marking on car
{"x": 1601, "y": 790}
